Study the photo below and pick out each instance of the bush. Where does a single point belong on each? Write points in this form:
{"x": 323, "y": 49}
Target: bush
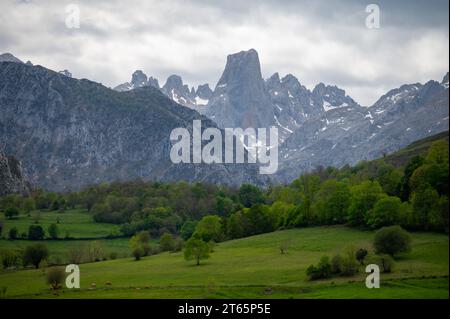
{"x": 166, "y": 242}
{"x": 76, "y": 254}
{"x": 53, "y": 231}
{"x": 112, "y": 255}
{"x": 34, "y": 254}
{"x": 321, "y": 271}
{"x": 336, "y": 264}
{"x": 13, "y": 233}
{"x": 9, "y": 259}
{"x": 55, "y": 277}
{"x": 11, "y": 212}
{"x": 349, "y": 262}
{"x": 138, "y": 252}
{"x": 392, "y": 240}
{"x": 361, "y": 255}
{"x": 35, "y": 232}
{"x": 386, "y": 263}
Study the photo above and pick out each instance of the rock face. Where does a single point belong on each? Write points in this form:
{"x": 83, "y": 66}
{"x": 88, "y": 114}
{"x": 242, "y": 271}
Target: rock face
{"x": 11, "y": 178}
{"x": 8, "y": 57}
{"x": 70, "y": 133}
{"x": 240, "y": 98}
{"x": 346, "y": 135}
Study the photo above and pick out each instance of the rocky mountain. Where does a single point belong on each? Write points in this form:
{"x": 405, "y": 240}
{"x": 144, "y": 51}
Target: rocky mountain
{"x": 346, "y": 135}
{"x": 8, "y": 57}
{"x": 70, "y": 133}
{"x": 174, "y": 88}
{"x": 11, "y": 177}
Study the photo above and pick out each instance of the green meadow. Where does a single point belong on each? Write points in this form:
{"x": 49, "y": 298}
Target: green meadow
{"x": 253, "y": 267}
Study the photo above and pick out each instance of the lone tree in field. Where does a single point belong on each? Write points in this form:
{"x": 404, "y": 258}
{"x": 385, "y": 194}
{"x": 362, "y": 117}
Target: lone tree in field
{"x": 55, "y": 277}
{"x": 34, "y": 254}
{"x": 35, "y": 232}
{"x": 53, "y": 231}
{"x": 11, "y": 212}
{"x": 392, "y": 240}
{"x": 196, "y": 249}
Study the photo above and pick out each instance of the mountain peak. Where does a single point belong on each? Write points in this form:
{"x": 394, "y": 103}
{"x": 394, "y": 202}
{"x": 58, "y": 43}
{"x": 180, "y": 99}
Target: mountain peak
{"x": 445, "y": 81}
{"x": 8, "y": 57}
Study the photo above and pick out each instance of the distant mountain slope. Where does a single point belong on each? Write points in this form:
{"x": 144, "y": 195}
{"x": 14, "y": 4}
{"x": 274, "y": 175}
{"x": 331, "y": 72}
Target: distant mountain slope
{"x": 11, "y": 177}
{"x": 69, "y": 133}
{"x": 420, "y": 147}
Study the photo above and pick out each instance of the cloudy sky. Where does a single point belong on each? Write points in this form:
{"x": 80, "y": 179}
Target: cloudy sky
{"x": 317, "y": 41}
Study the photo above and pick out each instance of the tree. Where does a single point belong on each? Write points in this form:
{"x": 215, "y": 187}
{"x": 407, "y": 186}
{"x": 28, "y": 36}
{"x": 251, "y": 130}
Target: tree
{"x": 386, "y": 212}
{"x": 1, "y": 228}
{"x": 11, "y": 212}
{"x": 167, "y": 242}
{"x": 425, "y": 203}
{"x": 34, "y": 254}
{"x": 196, "y": 249}
{"x": 321, "y": 271}
{"x": 29, "y": 205}
{"x": 413, "y": 164}
{"x": 392, "y": 240}
{"x": 13, "y": 233}
{"x": 9, "y": 258}
{"x": 35, "y": 232}
{"x": 284, "y": 246}
{"x": 332, "y": 201}
{"x": 55, "y": 277}
{"x": 250, "y": 195}
{"x": 188, "y": 229}
{"x": 53, "y": 231}
{"x": 210, "y": 228}
{"x": 363, "y": 197}
{"x": 361, "y": 255}
{"x": 349, "y": 262}
{"x": 138, "y": 252}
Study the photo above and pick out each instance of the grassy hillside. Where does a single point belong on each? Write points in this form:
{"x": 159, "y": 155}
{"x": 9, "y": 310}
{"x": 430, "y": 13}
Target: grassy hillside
{"x": 420, "y": 147}
{"x": 254, "y": 268}
{"x": 76, "y": 223}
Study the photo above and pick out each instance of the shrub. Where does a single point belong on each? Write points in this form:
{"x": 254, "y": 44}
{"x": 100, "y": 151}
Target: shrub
{"x": 166, "y": 242}
{"x": 361, "y": 255}
{"x": 112, "y": 255}
{"x": 386, "y": 263}
{"x": 53, "y": 231}
{"x": 13, "y": 233}
{"x": 34, "y": 254}
{"x": 11, "y": 212}
{"x": 321, "y": 271}
{"x": 76, "y": 254}
{"x": 336, "y": 264}
{"x": 9, "y": 259}
{"x": 349, "y": 262}
{"x": 35, "y": 232}
{"x": 178, "y": 246}
{"x": 385, "y": 212}
{"x": 138, "y": 252}
{"x": 55, "y": 277}
{"x": 392, "y": 240}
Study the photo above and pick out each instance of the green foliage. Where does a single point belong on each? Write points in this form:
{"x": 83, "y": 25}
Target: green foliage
{"x": 349, "y": 262}
{"x": 53, "y": 231}
{"x": 11, "y": 212}
{"x": 13, "y": 233}
{"x": 364, "y": 196}
{"x": 34, "y": 254}
{"x": 138, "y": 252}
{"x": 332, "y": 202}
{"x": 55, "y": 277}
{"x": 336, "y": 264}
{"x": 386, "y": 263}
{"x": 386, "y": 212}
{"x": 210, "y": 228}
{"x": 321, "y": 271}
{"x": 250, "y": 195}
{"x": 9, "y": 259}
{"x": 188, "y": 229}
{"x": 196, "y": 249}
{"x": 392, "y": 240}
{"x": 361, "y": 255}
{"x": 35, "y": 232}
{"x": 167, "y": 242}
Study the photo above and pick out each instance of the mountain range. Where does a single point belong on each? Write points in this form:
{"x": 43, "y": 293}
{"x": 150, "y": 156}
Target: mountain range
{"x": 69, "y": 132}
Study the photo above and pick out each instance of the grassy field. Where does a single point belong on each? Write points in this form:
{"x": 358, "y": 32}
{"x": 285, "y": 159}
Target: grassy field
{"x": 76, "y": 223}
{"x": 254, "y": 268}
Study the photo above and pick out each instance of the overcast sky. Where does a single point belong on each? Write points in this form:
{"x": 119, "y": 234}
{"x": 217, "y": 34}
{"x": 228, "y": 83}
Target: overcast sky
{"x": 317, "y": 41}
